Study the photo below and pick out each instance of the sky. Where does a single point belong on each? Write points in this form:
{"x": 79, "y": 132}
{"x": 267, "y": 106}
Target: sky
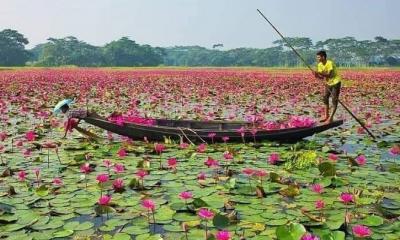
{"x": 167, "y": 23}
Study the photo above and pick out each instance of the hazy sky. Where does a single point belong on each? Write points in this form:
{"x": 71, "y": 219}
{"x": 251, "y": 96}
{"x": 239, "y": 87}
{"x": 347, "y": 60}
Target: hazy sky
{"x": 235, "y": 23}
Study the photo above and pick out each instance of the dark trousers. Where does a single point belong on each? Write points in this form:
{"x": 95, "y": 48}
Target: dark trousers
{"x": 334, "y": 91}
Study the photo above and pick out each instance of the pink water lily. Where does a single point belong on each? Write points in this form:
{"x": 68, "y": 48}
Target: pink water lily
{"x": 202, "y": 148}
{"x": 30, "y": 136}
{"x": 346, "y": 198}
{"x": 3, "y": 136}
{"x": 104, "y": 200}
{"x": 159, "y": 148}
{"x": 185, "y": 195}
{"x": 27, "y": 153}
{"x": 148, "y": 204}
{"x": 206, "y": 214}
{"x": 118, "y": 184}
{"x": 22, "y": 175}
{"x": 361, "y": 160}
{"x": 201, "y": 176}
{"x": 309, "y": 236}
{"x": 85, "y": 168}
{"x": 361, "y": 231}
{"x": 395, "y": 150}
{"x": 317, "y": 188}
{"x": 248, "y": 171}
{"x": 172, "y": 163}
{"x": 142, "y": 173}
{"x": 57, "y": 182}
{"x": 107, "y": 163}
{"x": 102, "y": 178}
{"x": 333, "y": 157}
{"x": 119, "y": 168}
{"x": 260, "y": 173}
{"x": 241, "y": 131}
{"x": 273, "y": 158}
{"x": 319, "y": 204}
{"x": 184, "y": 145}
{"x": 122, "y": 153}
{"x": 223, "y": 235}
{"x": 228, "y": 155}
{"x": 211, "y": 162}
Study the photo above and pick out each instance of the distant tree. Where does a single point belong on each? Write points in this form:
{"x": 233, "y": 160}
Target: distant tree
{"x": 36, "y": 52}
{"x": 70, "y": 51}
{"x": 126, "y": 52}
{"x": 12, "y": 48}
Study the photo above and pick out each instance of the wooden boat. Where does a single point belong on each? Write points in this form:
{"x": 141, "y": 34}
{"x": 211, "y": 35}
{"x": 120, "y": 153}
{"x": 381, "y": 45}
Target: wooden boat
{"x": 198, "y": 131}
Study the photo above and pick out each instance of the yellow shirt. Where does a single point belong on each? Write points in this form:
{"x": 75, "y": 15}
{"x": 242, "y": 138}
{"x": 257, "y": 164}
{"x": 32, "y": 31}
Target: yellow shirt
{"x": 329, "y": 66}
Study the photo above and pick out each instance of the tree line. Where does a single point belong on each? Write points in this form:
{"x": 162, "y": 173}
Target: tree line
{"x": 347, "y": 51}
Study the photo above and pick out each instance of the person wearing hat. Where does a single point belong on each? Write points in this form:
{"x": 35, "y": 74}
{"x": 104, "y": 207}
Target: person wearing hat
{"x": 71, "y": 114}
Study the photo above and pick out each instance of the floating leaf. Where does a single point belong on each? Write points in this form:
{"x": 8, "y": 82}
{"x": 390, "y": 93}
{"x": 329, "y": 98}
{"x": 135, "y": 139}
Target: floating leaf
{"x": 292, "y": 231}
{"x": 327, "y": 169}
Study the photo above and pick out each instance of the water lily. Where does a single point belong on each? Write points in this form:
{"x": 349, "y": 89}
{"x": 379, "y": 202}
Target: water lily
{"x": 309, "y": 236}
{"x": 119, "y": 168}
{"x": 248, "y": 172}
{"x": 201, "y": 176}
{"x": 205, "y": 214}
{"x": 333, "y": 157}
{"x": 107, "y": 163}
{"x": 317, "y": 188}
{"x": 395, "y": 150}
{"x": 184, "y": 145}
{"x": 202, "y": 148}
{"x": 57, "y": 182}
{"x": 30, "y": 136}
{"x": 3, "y": 136}
{"x": 223, "y": 235}
{"x": 27, "y": 153}
{"x": 225, "y": 139}
{"x": 141, "y": 174}
{"x": 211, "y": 162}
{"x": 22, "y": 175}
{"x": 104, "y": 200}
{"x": 118, "y": 184}
{"x": 159, "y": 148}
{"x": 228, "y": 155}
{"x": 102, "y": 178}
{"x": 212, "y": 136}
{"x": 36, "y": 171}
{"x": 185, "y": 196}
{"x": 361, "y": 160}
{"x": 346, "y": 198}
{"x": 361, "y": 231}
{"x": 148, "y": 204}
{"x": 85, "y": 168}
{"x": 273, "y": 158}
{"x": 122, "y": 153}
{"x": 172, "y": 163}
{"x": 319, "y": 204}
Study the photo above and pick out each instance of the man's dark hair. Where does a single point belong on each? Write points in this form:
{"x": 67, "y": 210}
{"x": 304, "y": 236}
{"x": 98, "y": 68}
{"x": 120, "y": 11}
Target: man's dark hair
{"x": 322, "y": 53}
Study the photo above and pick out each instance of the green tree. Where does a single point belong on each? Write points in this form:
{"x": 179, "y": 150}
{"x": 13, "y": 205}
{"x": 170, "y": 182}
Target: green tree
{"x": 12, "y": 48}
{"x": 126, "y": 52}
{"x": 70, "y": 51}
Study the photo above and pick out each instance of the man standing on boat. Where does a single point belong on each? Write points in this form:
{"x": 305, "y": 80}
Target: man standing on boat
{"x": 326, "y": 70}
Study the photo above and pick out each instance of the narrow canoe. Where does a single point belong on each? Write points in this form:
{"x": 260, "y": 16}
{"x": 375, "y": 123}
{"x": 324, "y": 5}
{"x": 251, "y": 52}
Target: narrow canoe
{"x": 198, "y": 131}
